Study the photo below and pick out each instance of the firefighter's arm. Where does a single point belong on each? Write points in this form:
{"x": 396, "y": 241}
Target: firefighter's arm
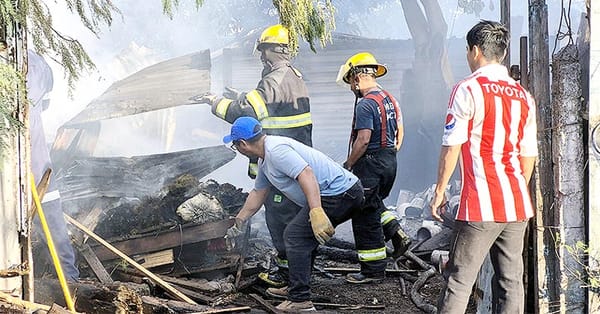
{"x": 448, "y": 160}
{"x": 359, "y": 147}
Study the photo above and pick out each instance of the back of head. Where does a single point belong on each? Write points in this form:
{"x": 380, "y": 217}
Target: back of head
{"x": 491, "y": 37}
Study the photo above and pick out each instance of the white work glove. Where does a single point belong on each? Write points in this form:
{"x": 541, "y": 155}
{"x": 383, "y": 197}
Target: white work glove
{"x": 235, "y": 230}
{"x": 206, "y": 98}
{"x": 231, "y": 93}
{"x": 321, "y": 225}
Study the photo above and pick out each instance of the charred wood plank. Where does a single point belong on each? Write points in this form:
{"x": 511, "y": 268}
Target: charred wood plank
{"x": 226, "y": 310}
{"x": 191, "y": 233}
{"x": 158, "y": 305}
{"x": 196, "y": 296}
{"x": 268, "y": 306}
{"x": 199, "y": 284}
{"x": 356, "y": 270}
{"x": 342, "y": 306}
{"x": 155, "y": 278}
{"x": 95, "y": 264}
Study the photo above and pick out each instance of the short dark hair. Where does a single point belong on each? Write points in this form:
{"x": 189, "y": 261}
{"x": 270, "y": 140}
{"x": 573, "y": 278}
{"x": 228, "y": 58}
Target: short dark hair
{"x": 491, "y": 37}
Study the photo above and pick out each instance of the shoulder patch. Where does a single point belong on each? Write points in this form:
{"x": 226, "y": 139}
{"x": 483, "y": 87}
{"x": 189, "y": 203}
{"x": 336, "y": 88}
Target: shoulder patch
{"x": 450, "y": 122}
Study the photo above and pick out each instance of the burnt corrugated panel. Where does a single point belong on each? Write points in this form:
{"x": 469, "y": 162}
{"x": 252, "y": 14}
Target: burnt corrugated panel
{"x": 163, "y": 85}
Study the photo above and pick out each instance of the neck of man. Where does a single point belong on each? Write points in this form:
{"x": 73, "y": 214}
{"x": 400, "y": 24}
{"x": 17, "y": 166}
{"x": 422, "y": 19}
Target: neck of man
{"x": 369, "y": 88}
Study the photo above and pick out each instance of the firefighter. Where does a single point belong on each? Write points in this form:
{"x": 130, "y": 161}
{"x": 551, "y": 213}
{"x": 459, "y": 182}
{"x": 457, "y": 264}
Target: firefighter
{"x": 376, "y": 137}
{"x": 280, "y": 102}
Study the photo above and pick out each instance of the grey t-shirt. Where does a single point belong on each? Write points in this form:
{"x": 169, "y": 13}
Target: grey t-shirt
{"x": 285, "y": 159}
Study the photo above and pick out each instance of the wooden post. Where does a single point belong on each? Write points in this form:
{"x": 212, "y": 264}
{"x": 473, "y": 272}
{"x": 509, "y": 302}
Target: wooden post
{"x": 539, "y": 85}
{"x": 505, "y": 19}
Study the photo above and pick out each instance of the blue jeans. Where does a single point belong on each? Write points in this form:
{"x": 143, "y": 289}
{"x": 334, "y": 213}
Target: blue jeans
{"x": 301, "y": 244}
{"x": 472, "y": 242}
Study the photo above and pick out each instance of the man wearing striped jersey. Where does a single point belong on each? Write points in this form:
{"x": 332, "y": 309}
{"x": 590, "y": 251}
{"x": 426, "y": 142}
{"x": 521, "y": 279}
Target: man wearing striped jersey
{"x": 491, "y": 129}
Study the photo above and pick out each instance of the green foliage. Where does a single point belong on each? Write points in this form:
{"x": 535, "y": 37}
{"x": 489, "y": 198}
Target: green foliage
{"x": 307, "y": 19}
{"x": 170, "y": 5}
{"x": 587, "y": 260}
{"x": 62, "y": 48}
{"x": 471, "y": 6}
{"x": 11, "y": 94}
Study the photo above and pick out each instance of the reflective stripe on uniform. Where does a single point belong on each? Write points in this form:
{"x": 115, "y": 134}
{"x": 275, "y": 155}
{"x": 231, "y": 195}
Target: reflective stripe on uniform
{"x": 51, "y": 196}
{"x": 222, "y": 107}
{"x": 386, "y": 217}
{"x": 253, "y": 168}
{"x": 371, "y": 255}
{"x": 257, "y": 102}
{"x": 287, "y": 122}
{"x": 281, "y": 262}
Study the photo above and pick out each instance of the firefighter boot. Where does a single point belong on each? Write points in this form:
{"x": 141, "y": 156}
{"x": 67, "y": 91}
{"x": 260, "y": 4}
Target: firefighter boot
{"x": 277, "y": 277}
{"x": 401, "y": 242}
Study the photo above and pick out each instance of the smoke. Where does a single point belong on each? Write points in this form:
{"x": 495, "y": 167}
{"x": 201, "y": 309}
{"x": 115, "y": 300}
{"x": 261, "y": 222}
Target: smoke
{"x": 143, "y": 35}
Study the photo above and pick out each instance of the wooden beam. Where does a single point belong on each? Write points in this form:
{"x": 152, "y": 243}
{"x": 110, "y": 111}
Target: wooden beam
{"x": 172, "y": 238}
{"x": 95, "y": 264}
{"x": 141, "y": 268}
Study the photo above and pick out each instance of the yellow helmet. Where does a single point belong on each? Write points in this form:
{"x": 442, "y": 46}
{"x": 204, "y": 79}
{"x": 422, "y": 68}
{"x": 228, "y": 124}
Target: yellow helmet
{"x": 276, "y": 34}
{"x": 360, "y": 62}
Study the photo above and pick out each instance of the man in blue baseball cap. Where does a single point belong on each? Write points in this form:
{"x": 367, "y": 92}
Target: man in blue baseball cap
{"x": 327, "y": 193}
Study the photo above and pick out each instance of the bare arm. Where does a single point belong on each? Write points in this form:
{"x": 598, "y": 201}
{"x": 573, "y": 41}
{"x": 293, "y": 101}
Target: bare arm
{"x": 252, "y": 204}
{"x": 310, "y": 187}
{"x": 447, "y": 164}
{"x": 400, "y": 136}
{"x": 359, "y": 147}
{"x": 527, "y": 164}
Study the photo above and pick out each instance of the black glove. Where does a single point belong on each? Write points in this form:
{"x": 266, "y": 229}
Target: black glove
{"x": 231, "y": 93}
{"x": 206, "y": 98}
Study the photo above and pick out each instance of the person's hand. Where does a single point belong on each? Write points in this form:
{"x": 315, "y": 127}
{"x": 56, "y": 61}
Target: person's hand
{"x": 206, "y": 98}
{"x": 236, "y": 229}
{"x": 437, "y": 202}
{"x": 231, "y": 93}
{"x": 321, "y": 225}
{"x": 347, "y": 166}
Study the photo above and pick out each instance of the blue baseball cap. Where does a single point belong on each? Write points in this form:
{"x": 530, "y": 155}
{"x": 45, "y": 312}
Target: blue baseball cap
{"x": 243, "y": 128}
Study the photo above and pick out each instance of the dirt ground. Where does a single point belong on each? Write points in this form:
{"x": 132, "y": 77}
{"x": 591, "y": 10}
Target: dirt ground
{"x": 387, "y": 293}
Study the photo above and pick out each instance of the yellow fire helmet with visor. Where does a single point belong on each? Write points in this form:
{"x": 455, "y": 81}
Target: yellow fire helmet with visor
{"x": 362, "y": 62}
{"x": 275, "y": 34}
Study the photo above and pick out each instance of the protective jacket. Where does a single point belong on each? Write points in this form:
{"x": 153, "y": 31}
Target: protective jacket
{"x": 280, "y": 101}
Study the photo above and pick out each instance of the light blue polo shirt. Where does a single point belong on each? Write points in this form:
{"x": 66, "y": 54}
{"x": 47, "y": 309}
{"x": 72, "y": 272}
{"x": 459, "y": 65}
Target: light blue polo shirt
{"x": 285, "y": 158}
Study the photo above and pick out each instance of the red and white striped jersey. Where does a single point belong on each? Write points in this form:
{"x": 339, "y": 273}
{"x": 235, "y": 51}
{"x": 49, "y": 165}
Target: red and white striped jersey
{"x": 493, "y": 118}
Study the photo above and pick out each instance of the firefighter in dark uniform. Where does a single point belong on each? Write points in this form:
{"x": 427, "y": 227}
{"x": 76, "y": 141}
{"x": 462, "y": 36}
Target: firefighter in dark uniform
{"x": 280, "y": 102}
{"x": 377, "y": 134}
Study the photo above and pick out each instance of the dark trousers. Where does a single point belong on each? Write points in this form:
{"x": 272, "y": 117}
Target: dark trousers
{"x": 471, "y": 243}
{"x": 279, "y": 211}
{"x": 301, "y": 244}
{"x": 377, "y": 172}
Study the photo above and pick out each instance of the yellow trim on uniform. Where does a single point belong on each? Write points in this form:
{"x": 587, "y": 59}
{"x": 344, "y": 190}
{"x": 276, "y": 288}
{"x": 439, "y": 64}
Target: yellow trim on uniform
{"x": 386, "y": 217}
{"x": 222, "y": 106}
{"x": 258, "y": 104}
{"x": 287, "y": 122}
{"x": 253, "y": 168}
{"x": 372, "y": 255}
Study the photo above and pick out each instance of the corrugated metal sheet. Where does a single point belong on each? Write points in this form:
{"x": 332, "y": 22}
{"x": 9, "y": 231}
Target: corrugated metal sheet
{"x": 163, "y": 85}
